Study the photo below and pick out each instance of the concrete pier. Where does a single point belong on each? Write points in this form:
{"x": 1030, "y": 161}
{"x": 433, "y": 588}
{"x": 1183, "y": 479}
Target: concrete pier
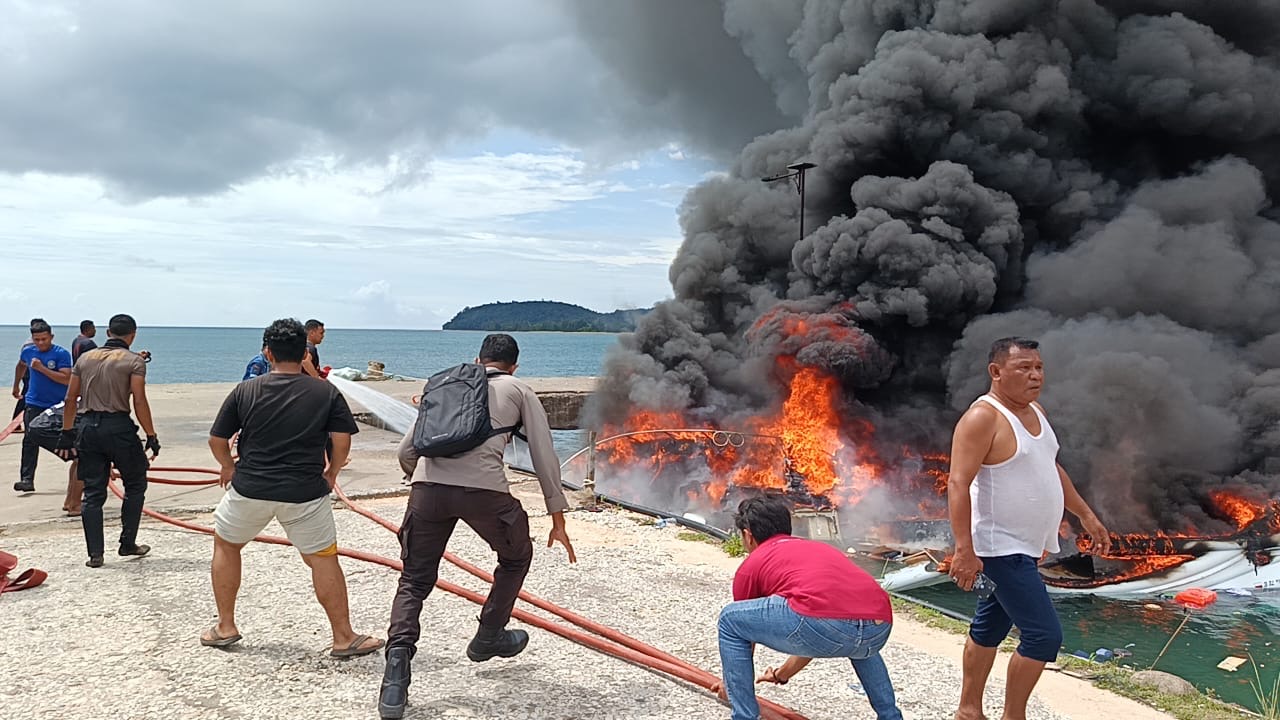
{"x": 563, "y": 397}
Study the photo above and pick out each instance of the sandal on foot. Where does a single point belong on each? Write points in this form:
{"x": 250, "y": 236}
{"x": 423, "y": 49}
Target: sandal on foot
{"x": 355, "y": 649}
{"x": 216, "y": 640}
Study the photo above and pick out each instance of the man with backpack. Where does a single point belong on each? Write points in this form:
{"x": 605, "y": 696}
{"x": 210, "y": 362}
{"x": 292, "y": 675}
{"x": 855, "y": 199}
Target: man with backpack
{"x": 466, "y": 418}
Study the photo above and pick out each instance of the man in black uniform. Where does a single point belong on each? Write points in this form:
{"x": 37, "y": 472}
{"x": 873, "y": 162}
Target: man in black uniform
{"x": 104, "y": 379}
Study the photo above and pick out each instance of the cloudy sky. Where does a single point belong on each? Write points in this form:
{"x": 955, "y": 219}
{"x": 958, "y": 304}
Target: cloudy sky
{"x": 379, "y": 166}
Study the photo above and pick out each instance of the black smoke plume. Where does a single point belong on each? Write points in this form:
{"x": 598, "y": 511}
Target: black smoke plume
{"x": 1094, "y": 173}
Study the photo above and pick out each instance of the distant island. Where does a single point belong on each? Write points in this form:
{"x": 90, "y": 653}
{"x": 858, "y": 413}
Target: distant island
{"x": 543, "y": 315}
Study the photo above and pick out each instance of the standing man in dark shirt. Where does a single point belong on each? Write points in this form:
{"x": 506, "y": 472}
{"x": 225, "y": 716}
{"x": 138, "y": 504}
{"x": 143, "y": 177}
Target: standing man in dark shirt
{"x": 284, "y": 419}
{"x": 472, "y": 487}
{"x": 48, "y": 369}
{"x": 101, "y": 385}
{"x": 315, "y": 336}
{"x": 84, "y": 341}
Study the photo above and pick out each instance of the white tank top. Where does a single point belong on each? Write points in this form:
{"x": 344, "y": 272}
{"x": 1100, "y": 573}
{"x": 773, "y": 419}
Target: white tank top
{"x": 1017, "y": 505}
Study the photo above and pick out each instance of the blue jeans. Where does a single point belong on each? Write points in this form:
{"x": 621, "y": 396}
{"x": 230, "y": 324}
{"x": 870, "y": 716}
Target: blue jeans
{"x": 771, "y": 622}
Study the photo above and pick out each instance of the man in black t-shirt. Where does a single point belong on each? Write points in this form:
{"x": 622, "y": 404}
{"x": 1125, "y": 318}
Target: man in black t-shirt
{"x": 311, "y": 361}
{"x": 84, "y": 341}
{"x": 284, "y": 419}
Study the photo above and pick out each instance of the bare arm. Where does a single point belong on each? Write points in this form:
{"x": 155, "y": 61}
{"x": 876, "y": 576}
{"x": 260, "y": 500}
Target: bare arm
{"x": 969, "y": 446}
{"x": 787, "y": 670}
{"x": 18, "y": 374}
{"x": 221, "y": 449}
{"x": 62, "y": 376}
{"x": 1077, "y": 506}
{"x": 72, "y": 401}
{"x": 309, "y": 365}
{"x": 338, "y": 455}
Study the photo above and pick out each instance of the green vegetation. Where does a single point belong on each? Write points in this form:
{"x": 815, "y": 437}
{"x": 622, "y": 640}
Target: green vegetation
{"x": 732, "y": 547}
{"x": 1268, "y": 698}
{"x": 1119, "y": 680}
{"x": 542, "y": 315}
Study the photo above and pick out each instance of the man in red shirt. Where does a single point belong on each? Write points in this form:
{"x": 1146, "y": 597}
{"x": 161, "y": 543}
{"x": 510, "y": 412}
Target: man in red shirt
{"x": 803, "y": 598}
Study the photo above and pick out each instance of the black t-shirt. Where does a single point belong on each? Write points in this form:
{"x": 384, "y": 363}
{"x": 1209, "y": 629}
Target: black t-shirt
{"x": 80, "y": 346}
{"x": 284, "y": 422}
{"x": 315, "y": 355}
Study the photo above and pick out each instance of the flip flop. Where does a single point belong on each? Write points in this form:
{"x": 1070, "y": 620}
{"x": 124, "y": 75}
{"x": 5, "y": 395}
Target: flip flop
{"x": 354, "y": 650}
{"x": 217, "y": 640}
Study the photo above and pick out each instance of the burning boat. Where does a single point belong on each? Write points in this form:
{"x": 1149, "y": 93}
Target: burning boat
{"x": 1160, "y": 564}
{"x": 841, "y": 488}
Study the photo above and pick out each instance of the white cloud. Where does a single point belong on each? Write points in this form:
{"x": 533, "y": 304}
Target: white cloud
{"x": 352, "y": 243}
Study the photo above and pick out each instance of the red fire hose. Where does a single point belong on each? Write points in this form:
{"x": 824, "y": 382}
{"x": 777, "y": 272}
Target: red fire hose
{"x": 605, "y": 639}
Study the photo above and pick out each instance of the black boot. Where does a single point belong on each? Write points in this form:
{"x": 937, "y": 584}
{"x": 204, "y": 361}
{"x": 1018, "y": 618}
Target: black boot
{"x": 395, "y": 684}
{"x": 496, "y": 642}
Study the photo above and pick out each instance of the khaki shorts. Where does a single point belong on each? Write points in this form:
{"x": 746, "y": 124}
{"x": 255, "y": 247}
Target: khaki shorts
{"x": 309, "y": 525}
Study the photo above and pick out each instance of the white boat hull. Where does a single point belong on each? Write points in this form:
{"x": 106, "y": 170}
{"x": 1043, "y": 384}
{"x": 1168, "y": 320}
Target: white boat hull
{"x": 1225, "y": 568}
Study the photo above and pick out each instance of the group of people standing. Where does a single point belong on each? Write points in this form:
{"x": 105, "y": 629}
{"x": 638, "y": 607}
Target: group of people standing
{"x": 1007, "y": 495}
{"x": 85, "y": 395}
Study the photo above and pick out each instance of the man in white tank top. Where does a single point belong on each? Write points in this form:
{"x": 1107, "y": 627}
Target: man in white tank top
{"x": 1006, "y": 494}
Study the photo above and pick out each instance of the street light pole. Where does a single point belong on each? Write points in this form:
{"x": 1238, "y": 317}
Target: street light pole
{"x": 797, "y": 176}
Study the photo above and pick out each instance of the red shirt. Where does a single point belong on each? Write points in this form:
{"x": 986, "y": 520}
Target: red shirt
{"x": 816, "y": 579}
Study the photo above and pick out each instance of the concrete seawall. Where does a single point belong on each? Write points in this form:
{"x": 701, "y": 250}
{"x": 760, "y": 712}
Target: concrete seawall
{"x": 562, "y": 397}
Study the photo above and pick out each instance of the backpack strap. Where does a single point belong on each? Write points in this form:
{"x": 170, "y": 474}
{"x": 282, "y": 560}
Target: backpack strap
{"x": 513, "y": 429}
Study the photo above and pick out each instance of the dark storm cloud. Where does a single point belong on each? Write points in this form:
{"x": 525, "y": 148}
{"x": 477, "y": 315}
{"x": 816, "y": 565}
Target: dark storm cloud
{"x": 160, "y": 98}
{"x": 1099, "y": 174}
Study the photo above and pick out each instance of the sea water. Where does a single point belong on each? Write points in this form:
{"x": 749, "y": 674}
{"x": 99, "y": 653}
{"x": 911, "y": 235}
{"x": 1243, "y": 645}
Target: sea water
{"x": 199, "y": 355}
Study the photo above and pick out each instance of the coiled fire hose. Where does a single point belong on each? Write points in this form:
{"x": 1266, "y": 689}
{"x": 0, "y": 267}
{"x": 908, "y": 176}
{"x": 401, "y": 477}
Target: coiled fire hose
{"x": 605, "y": 639}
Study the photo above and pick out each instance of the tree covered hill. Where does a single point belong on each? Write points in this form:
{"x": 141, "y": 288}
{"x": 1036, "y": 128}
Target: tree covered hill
{"x": 542, "y": 315}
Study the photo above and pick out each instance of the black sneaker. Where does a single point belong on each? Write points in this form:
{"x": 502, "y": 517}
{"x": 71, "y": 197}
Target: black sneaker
{"x": 496, "y": 642}
{"x": 24, "y": 487}
{"x": 394, "y": 695}
{"x": 94, "y": 561}
{"x": 138, "y": 550}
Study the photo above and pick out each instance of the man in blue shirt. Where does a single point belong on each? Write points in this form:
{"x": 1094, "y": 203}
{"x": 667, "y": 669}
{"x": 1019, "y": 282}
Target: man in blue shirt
{"x": 259, "y": 365}
{"x": 49, "y": 368}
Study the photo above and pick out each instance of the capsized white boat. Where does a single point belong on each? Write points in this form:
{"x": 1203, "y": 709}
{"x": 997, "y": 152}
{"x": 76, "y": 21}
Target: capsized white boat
{"x": 1222, "y": 566}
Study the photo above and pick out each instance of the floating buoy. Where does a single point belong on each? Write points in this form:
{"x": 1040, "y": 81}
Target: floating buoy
{"x": 1198, "y": 598}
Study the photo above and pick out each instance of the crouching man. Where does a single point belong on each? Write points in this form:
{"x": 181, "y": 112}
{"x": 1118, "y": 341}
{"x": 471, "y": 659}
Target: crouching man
{"x": 804, "y": 598}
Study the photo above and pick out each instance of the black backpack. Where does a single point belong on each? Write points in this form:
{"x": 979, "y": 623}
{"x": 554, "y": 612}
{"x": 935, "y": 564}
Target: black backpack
{"x": 453, "y": 416}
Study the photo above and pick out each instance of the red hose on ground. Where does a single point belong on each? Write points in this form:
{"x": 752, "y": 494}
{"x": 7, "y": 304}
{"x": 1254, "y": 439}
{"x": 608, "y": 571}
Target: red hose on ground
{"x": 8, "y": 429}
{"x": 611, "y": 642}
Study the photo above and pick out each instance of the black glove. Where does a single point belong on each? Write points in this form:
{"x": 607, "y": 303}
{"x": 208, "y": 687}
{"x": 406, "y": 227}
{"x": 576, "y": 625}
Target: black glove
{"x": 66, "y": 445}
{"x": 152, "y": 445}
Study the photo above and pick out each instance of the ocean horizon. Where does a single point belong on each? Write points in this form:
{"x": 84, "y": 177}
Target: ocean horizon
{"x": 201, "y": 354}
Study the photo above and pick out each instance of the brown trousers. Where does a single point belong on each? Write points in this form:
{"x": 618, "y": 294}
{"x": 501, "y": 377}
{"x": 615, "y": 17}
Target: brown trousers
{"x": 433, "y": 512}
